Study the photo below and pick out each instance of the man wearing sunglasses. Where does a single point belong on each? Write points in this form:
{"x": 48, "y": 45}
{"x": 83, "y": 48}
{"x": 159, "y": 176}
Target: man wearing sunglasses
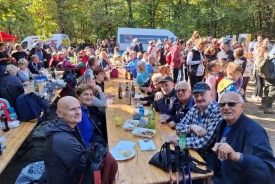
{"x": 200, "y": 122}
{"x": 186, "y": 102}
{"x": 243, "y": 153}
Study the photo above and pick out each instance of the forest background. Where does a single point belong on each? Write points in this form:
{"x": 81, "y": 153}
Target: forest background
{"x": 87, "y": 20}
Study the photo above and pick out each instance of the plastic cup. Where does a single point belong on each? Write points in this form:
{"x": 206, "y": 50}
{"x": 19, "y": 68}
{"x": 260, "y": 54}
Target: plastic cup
{"x": 163, "y": 118}
{"x": 118, "y": 121}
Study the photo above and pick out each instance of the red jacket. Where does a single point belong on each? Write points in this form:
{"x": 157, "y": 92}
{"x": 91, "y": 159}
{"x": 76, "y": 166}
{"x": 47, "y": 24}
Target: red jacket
{"x": 175, "y": 57}
{"x": 83, "y": 69}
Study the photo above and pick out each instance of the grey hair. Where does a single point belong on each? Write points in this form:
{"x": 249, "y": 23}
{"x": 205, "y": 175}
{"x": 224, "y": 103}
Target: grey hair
{"x": 34, "y": 56}
{"x": 240, "y": 98}
{"x": 84, "y": 79}
{"x": 23, "y": 60}
{"x": 183, "y": 82}
{"x": 140, "y": 64}
{"x": 157, "y": 76}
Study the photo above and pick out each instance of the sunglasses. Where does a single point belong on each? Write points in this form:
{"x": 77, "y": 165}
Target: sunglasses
{"x": 181, "y": 90}
{"x": 230, "y": 104}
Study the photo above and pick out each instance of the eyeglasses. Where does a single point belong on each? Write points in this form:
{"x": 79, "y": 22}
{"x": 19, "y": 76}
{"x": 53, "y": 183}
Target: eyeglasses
{"x": 230, "y": 104}
{"x": 21, "y": 63}
{"x": 181, "y": 90}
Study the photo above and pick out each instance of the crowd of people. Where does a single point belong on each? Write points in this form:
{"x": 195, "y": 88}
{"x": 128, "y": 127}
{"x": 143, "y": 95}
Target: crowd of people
{"x": 199, "y": 85}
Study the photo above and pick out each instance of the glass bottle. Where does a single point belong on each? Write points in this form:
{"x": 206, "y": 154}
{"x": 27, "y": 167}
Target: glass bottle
{"x": 151, "y": 118}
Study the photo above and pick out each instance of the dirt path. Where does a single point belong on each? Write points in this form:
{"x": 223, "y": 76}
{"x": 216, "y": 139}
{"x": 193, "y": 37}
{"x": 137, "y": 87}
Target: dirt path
{"x": 266, "y": 120}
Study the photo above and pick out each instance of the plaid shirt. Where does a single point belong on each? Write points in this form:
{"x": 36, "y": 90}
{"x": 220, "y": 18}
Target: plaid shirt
{"x": 209, "y": 121}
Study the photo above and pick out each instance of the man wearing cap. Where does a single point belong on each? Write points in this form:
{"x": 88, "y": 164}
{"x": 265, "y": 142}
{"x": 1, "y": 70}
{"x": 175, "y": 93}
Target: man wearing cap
{"x": 200, "y": 122}
{"x": 225, "y": 51}
{"x": 166, "y": 98}
{"x": 41, "y": 53}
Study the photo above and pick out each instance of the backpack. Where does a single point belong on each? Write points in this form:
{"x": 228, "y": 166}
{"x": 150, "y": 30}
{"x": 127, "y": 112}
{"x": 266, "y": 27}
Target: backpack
{"x": 10, "y": 88}
{"x": 264, "y": 69}
{"x": 71, "y": 82}
{"x": 29, "y": 106}
{"x": 114, "y": 73}
{"x": 101, "y": 167}
{"x": 168, "y": 58}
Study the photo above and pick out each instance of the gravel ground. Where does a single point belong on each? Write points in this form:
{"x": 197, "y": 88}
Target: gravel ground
{"x": 251, "y": 109}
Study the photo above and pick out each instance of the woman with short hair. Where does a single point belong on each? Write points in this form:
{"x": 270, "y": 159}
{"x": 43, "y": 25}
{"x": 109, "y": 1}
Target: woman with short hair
{"x": 142, "y": 76}
{"x": 88, "y": 127}
{"x": 99, "y": 74}
{"x": 23, "y": 73}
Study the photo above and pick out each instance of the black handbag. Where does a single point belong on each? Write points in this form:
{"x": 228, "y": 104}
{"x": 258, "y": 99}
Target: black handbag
{"x": 160, "y": 160}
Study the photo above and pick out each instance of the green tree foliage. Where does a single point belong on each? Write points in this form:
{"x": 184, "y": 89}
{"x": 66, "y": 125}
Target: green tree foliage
{"x": 86, "y": 20}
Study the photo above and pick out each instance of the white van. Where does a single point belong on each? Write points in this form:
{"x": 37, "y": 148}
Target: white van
{"x": 126, "y": 35}
{"x": 27, "y": 43}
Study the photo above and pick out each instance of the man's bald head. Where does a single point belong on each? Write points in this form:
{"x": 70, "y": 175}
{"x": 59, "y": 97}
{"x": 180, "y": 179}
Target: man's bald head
{"x": 231, "y": 106}
{"x": 68, "y": 109}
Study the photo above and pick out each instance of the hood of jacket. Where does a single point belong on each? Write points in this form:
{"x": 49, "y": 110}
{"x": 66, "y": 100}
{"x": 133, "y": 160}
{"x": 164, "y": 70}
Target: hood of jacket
{"x": 58, "y": 125}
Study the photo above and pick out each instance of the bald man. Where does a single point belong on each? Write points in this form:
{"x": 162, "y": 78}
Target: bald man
{"x": 186, "y": 102}
{"x": 243, "y": 153}
{"x": 64, "y": 143}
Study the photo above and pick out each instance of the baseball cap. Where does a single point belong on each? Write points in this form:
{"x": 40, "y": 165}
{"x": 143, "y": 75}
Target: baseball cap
{"x": 225, "y": 42}
{"x": 166, "y": 79}
{"x": 200, "y": 87}
{"x": 38, "y": 45}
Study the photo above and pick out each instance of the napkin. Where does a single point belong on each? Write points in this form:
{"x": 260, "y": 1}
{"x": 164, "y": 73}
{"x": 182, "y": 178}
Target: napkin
{"x": 14, "y": 124}
{"x": 147, "y": 146}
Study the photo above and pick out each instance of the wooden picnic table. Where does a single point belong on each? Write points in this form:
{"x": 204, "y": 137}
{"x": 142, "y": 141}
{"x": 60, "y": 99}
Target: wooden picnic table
{"x": 16, "y": 136}
{"x": 14, "y": 139}
{"x": 137, "y": 170}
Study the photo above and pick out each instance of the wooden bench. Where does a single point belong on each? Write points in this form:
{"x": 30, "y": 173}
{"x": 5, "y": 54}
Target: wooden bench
{"x": 137, "y": 169}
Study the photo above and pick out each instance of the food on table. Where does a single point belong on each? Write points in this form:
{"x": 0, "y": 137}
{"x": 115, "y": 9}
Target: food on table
{"x": 147, "y": 133}
{"x": 126, "y": 153}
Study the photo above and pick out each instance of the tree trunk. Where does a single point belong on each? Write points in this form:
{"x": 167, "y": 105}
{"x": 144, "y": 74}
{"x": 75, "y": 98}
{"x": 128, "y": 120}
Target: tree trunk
{"x": 131, "y": 17}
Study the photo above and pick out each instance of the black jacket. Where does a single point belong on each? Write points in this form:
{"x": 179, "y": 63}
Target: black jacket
{"x": 63, "y": 146}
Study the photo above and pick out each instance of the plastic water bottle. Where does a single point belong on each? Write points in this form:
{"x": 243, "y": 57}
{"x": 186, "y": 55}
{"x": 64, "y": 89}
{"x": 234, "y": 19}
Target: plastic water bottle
{"x": 141, "y": 111}
{"x": 223, "y": 141}
{"x": 182, "y": 141}
{"x": 12, "y": 113}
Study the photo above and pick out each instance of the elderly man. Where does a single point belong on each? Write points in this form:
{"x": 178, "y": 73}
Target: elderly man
{"x": 37, "y": 50}
{"x": 132, "y": 65}
{"x": 200, "y": 122}
{"x": 243, "y": 153}
{"x": 148, "y": 100}
{"x": 166, "y": 98}
{"x": 35, "y": 66}
{"x": 64, "y": 143}
{"x": 186, "y": 102}
{"x": 225, "y": 51}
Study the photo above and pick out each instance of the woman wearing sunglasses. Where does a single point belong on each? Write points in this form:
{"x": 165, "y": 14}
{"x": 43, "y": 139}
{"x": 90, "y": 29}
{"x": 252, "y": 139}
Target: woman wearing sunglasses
{"x": 23, "y": 72}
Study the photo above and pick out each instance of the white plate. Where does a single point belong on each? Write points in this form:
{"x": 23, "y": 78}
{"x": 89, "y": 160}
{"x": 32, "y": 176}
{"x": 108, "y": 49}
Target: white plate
{"x": 117, "y": 156}
{"x": 136, "y": 111}
{"x": 138, "y": 132}
{"x": 130, "y": 124}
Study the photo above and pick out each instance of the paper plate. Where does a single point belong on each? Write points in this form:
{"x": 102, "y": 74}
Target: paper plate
{"x": 119, "y": 157}
{"x": 142, "y": 132}
{"x": 130, "y": 124}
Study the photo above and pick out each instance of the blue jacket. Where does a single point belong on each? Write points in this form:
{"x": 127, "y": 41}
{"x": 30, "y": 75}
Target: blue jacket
{"x": 86, "y": 127}
{"x": 141, "y": 78}
{"x": 35, "y": 68}
{"x": 132, "y": 67}
{"x": 178, "y": 112}
{"x": 166, "y": 104}
{"x": 257, "y": 164}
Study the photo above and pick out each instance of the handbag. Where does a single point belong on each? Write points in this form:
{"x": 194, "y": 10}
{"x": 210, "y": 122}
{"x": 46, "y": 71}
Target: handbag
{"x": 161, "y": 161}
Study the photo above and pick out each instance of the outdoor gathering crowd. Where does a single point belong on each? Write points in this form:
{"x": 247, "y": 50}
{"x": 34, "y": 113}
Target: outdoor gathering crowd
{"x": 198, "y": 85}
